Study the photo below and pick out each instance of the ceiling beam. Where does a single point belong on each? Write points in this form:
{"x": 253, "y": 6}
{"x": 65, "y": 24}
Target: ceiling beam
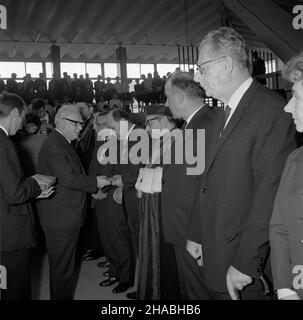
{"x": 38, "y": 36}
{"x": 271, "y": 24}
{"x": 75, "y": 37}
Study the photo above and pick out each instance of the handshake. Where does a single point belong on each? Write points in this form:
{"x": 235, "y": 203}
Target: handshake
{"x": 103, "y": 181}
{"x": 46, "y": 185}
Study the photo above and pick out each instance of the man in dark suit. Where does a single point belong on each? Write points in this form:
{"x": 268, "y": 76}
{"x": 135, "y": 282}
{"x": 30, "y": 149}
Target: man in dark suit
{"x": 84, "y": 146}
{"x": 185, "y": 100}
{"x": 111, "y": 219}
{"x": 63, "y": 215}
{"x": 119, "y": 121}
{"x": 249, "y": 140}
{"x": 16, "y": 215}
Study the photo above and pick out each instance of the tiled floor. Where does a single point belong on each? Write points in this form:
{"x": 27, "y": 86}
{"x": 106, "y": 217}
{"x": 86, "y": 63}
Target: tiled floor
{"x": 87, "y": 287}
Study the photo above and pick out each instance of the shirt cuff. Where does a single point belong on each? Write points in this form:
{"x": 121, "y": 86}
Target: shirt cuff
{"x": 282, "y": 293}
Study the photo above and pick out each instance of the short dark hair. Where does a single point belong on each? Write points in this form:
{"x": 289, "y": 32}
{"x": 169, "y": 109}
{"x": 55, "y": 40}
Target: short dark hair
{"x": 119, "y": 114}
{"x": 37, "y": 104}
{"x": 255, "y": 54}
{"x": 31, "y": 118}
{"x": 184, "y": 81}
{"x": 8, "y": 102}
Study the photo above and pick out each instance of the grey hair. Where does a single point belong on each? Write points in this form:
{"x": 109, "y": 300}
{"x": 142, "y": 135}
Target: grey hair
{"x": 65, "y": 111}
{"x": 185, "y": 81}
{"x": 227, "y": 41}
{"x": 293, "y": 70}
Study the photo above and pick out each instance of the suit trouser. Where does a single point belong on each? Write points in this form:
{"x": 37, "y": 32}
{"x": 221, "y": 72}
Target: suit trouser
{"x": 17, "y": 264}
{"x": 104, "y": 233}
{"x": 61, "y": 244}
{"x": 131, "y": 206}
{"x": 116, "y": 240}
{"x": 90, "y": 232}
{"x": 192, "y": 280}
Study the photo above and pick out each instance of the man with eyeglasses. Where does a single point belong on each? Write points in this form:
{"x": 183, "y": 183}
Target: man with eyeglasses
{"x": 62, "y": 216}
{"x": 249, "y": 142}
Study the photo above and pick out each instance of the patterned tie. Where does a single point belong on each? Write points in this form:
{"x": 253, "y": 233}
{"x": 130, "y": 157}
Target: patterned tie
{"x": 225, "y": 117}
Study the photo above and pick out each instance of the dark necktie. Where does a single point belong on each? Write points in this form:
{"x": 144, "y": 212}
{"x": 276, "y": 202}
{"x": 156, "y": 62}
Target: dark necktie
{"x": 227, "y": 110}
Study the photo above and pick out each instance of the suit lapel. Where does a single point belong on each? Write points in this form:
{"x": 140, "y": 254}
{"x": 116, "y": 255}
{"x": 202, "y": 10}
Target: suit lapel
{"x": 70, "y": 150}
{"x": 216, "y": 142}
{"x": 190, "y": 125}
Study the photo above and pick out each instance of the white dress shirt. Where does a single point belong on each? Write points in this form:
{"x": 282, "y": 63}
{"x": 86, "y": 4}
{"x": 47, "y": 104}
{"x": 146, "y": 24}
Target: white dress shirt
{"x": 192, "y": 115}
{"x": 285, "y": 292}
{"x": 4, "y": 130}
{"x": 237, "y": 96}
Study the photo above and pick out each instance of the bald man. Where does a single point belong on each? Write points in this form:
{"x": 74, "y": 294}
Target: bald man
{"x": 62, "y": 216}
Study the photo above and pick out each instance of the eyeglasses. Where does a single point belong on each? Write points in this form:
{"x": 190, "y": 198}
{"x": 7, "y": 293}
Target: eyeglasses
{"x": 201, "y": 69}
{"x": 149, "y": 120}
{"x": 75, "y": 122}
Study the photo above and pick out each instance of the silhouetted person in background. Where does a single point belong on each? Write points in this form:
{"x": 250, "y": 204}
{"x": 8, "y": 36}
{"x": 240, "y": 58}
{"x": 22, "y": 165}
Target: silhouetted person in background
{"x": 258, "y": 68}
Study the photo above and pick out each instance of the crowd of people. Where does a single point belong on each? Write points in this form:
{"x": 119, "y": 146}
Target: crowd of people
{"x": 147, "y": 90}
{"x": 232, "y": 230}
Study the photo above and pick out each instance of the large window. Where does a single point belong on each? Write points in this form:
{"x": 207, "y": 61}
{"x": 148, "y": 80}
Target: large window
{"x": 133, "y": 70}
{"x": 110, "y": 70}
{"x": 147, "y": 68}
{"x": 73, "y": 67}
{"x": 270, "y": 66}
{"x": 49, "y": 69}
{"x": 8, "y": 67}
{"x": 93, "y": 69}
{"x": 164, "y": 68}
{"x": 34, "y": 68}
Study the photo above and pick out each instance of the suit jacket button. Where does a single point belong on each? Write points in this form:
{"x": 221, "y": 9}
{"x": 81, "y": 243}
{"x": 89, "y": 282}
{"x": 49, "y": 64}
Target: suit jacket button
{"x": 203, "y": 190}
{"x": 262, "y": 259}
{"x": 301, "y": 241}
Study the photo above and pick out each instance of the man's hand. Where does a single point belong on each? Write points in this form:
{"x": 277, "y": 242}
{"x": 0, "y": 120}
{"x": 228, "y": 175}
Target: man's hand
{"x": 46, "y": 193}
{"x": 117, "y": 181}
{"x": 45, "y": 182}
{"x": 102, "y": 181}
{"x": 99, "y": 195}
{"x": 236, "y": 280}
{"x": 291, "y": 297}
{"x": 195, "y": 250}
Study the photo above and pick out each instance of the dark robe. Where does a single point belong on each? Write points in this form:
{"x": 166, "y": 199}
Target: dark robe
{"x": 157, "y": 272}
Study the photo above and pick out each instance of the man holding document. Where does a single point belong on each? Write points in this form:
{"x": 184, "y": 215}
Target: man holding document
{"x": 16, "y": 215}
